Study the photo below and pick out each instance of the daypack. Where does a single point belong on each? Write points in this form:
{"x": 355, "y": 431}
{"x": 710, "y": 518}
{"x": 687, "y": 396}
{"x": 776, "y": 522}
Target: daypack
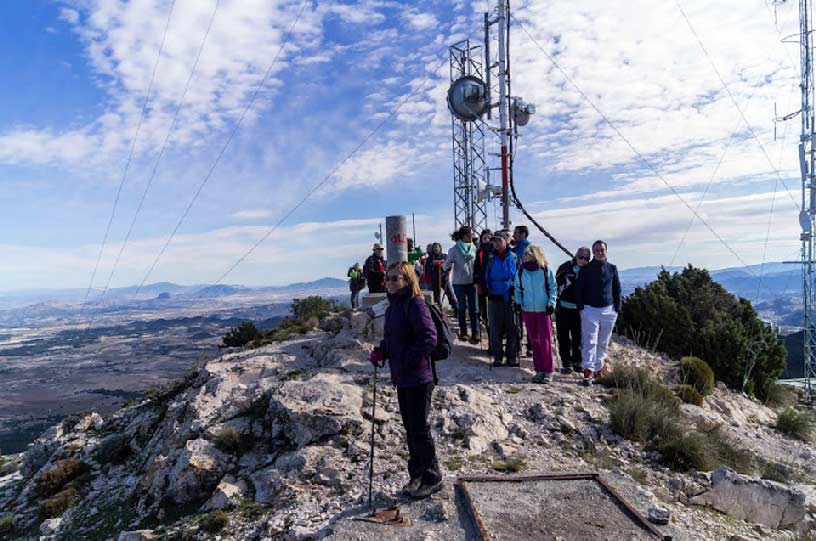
{"x": 546, "y": 282}
{"x": 444, "y": 336}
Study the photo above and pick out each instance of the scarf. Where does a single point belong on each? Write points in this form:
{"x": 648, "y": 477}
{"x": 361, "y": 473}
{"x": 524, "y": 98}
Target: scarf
{"x": 468, "y": 250}
{"x": 530, "y": 265}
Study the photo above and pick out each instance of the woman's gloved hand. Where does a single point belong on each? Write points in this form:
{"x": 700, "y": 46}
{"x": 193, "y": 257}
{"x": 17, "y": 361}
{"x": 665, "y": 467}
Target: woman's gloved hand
{"x": 376, "y": 358}
{"x": 550, "y": 310}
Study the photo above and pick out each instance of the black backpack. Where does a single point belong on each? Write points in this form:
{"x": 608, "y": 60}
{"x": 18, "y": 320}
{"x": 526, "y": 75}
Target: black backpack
{"x": 444, "y": 336}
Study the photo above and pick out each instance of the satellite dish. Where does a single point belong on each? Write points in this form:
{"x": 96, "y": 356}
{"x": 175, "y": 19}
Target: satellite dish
{"x": 521, "y": 111}
{"x": 481, "y": 191}
{"x": 467, "y": 98}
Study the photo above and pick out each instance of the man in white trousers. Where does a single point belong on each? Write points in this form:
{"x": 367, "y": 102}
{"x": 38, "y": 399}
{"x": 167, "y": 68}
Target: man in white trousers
{"x": 598, "y": 297}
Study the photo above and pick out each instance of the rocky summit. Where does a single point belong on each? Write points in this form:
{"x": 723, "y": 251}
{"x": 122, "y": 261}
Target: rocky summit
{"x": 273, "y": 444}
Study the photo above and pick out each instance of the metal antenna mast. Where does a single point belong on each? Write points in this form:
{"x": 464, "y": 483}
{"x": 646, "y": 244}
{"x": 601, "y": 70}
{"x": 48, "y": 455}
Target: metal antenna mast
{"x": 807, "y": 216}
{"x": 469, "y": 99}
{"x": 470, "y": 173}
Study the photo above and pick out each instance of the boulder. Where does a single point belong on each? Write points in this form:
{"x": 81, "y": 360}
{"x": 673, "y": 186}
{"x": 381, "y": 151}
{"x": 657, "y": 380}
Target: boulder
{"x": 754, "y": 500}
{"x": 334, "y": 323}
{"x": 226, "y": 495}
{"x": 305, "y": 412}
{"x": 359, "y": 321}
{"x": 49, "y": 526}
{"x": 269, "y": 484}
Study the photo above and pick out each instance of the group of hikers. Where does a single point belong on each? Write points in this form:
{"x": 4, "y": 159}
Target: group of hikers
{"x": 497, "y": 282}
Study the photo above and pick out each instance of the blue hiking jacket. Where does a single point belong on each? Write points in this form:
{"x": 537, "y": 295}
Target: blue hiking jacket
{"x": 520, "y": 247}
{"x": 531, "y": 289}
{"x": 500, "y": 273}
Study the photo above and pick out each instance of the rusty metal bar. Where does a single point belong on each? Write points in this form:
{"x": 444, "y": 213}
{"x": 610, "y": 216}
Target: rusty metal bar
{"x": 580, "y": 476}
{"x": 476, "y": 517}
{"x": 631, "y": 508}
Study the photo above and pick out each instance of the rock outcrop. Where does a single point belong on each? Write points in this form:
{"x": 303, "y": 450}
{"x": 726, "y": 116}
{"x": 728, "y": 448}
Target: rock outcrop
{"x": 277, "y": 441}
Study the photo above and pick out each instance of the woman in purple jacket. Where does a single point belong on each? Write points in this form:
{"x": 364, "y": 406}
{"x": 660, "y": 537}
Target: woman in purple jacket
{"x": 408, "y": 339}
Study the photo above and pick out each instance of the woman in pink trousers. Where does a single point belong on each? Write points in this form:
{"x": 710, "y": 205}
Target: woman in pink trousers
{"x": 536, "y": 293}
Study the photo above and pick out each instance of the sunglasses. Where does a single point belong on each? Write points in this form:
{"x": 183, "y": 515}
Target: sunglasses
{"x": 582, "y": 257}
{"x": 393, "y": 278}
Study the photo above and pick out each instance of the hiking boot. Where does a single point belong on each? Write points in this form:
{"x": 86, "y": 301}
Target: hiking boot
{"x": 426, "y": 490}
{"x": 411, "y": 486}
{"x": 588, "y": 379}
{"x": 513, "y": 363}
{"x": 600, "y": 373}
{"x": 566, "y": 370}
{"x": 498, "y": 364}
{"x": 538, "y": 378}
{"x": 547, "y": 378}
{"x": 475, "y": 339}
{"x": 463, "y": 336}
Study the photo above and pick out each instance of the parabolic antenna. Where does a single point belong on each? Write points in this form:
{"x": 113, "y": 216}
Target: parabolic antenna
{"x": 467, "y": 98}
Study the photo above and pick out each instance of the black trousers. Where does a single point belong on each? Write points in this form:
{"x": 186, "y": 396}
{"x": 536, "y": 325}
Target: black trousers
{"x": 415, "y": 405}
{"x": 502, "y": 323}
{"x": 568, "y": 330}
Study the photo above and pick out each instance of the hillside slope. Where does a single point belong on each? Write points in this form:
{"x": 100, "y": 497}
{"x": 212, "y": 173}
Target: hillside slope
{"x": 277, "y": 438}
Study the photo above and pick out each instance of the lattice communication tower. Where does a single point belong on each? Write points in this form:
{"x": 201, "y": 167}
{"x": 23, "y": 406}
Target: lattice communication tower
{"x": 470, "y": 171}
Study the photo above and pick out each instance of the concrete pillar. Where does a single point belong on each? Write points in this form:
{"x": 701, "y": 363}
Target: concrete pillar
{"x": 396, "y": 238}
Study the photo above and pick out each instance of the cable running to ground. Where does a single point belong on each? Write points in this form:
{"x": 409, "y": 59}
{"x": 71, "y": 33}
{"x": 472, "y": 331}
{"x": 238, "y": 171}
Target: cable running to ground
{"x": 220, "y": 154}
{"x": 129, "y": 157}
{"x": 640, "y": 156}
{"x": 161, "y": 150}
{"x": 736, "y": 105}
{"x": 334, "y": 170}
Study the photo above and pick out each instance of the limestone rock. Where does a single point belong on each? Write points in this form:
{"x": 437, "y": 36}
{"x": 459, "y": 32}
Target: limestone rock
{"x": 359, "y": 321}
{"x": 227, "y": 494}
{"x": 334, "y": 323}
{"x": 137, "y": 535}
{"x": 49, "y": 526}
{"x": 305, "y": 412}
{"x": 760, "y": 501}
{"x": 268, "y": 483}
{"x": 659, "y": 515}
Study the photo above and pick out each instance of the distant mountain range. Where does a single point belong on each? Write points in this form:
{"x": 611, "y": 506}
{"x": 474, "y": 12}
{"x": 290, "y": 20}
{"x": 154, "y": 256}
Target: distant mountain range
{"x": 755, "y": 283}
{"x": 56, "y": 300}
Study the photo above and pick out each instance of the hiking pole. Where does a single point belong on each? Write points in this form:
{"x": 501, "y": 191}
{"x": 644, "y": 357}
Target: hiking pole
{"x": 371, "y": 455}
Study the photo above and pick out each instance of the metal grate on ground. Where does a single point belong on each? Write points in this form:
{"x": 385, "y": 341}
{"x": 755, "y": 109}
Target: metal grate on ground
{"x": 552, "y": 506}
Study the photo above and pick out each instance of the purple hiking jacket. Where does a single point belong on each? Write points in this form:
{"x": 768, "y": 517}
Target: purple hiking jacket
{"x": 407, "y": 343}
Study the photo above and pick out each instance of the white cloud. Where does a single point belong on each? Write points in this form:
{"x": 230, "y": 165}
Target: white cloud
{"x": 71, "y": 16}
{"x": 121, "y": 41}
{"x": 251, "y": 214}
{"x": 419, "y": 20}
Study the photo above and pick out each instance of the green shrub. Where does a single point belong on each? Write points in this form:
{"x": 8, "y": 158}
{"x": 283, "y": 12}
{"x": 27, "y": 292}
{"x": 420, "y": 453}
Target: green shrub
{"x": 689, "y": 394}
{"x": 775, "y": 471}
{"x": 57, "y": 504}
{"x": 722, "y": 450}
{"x": 626, "y": 377}
{"x": 229, "y": 440}
{"x": 780, "y": 396}
{"x": 794, "y": 423}
{"x": 693, "y": 314}
{"x": 241, "y": 335}
{"x": 644, "y": 410}
{"x": 214, "y": 522}
{"x": 56, "y": 477}
{"x": 698, "y": 374}
{"x": 6, "y": 524}
{"x": 312, "y": 308}
{"x": 685, "y": 453}
{"x": 511, "y": 465}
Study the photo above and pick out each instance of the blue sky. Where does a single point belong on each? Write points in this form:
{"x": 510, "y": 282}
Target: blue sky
{"x": 76, "y": 73}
